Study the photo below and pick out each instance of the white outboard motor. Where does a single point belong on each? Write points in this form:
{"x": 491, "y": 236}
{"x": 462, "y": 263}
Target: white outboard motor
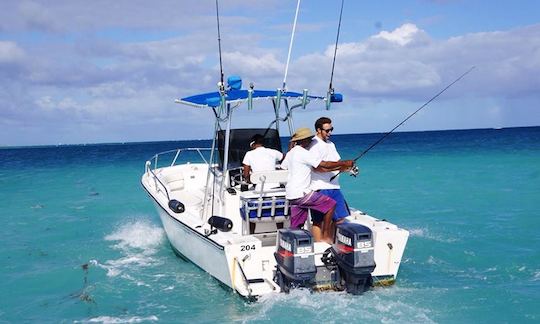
{"x": 353, "y": 251}
{"x": 295, "y": 259}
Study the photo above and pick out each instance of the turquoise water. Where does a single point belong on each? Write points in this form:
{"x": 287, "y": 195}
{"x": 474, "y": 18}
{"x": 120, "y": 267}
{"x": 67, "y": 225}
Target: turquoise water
{"x": 82, "y": 243}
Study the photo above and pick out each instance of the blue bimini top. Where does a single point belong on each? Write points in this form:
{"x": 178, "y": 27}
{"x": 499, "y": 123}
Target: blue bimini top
{"x": 213, "y": 99}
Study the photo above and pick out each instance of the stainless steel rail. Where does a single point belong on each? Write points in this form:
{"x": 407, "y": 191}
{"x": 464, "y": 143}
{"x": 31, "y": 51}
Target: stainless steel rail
{"x": 177, "y": 152}
{"x": 154, "y": 161}
{"x": 149, "y": 170}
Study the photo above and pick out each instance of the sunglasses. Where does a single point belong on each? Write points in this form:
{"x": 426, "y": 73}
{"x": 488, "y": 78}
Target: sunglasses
{"x": 328, "y": 130}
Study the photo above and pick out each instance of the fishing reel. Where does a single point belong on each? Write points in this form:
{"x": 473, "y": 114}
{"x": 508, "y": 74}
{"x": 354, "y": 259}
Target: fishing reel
{"x": 354, "y": 171}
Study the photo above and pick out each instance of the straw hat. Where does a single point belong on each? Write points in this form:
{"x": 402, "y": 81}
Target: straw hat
{"x": 301, "y": 133}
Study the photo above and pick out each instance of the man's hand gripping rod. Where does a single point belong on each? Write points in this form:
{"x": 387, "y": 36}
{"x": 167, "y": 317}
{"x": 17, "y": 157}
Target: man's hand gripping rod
{"x": 354, "y": 170}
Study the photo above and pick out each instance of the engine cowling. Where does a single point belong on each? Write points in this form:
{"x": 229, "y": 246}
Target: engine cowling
{"x": 295, "y": 259}
{"x": 353, "y": 250}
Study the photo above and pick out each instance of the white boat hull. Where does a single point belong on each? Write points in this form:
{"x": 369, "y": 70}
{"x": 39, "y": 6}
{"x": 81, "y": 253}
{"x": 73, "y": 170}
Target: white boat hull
{"x": 246, "y": 263}
{"x": 195, "y": 247}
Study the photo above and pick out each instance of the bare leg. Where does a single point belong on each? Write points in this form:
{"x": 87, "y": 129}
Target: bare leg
{"x": 333, "y": 228}
{"x": 328, "y": 226}
{"x": 316, "y": 230}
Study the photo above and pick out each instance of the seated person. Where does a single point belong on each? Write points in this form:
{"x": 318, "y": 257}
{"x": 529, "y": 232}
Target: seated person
{"x": 260, "y": 158}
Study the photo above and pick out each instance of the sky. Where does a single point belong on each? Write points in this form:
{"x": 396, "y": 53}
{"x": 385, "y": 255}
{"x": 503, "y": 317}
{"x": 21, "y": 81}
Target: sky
{"x": 77, "y": 72}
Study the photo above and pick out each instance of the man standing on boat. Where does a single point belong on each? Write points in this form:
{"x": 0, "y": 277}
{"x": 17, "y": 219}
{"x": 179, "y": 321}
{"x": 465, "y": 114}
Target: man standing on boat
{"x": 325, "y": 181}
{"x": 259, "y": 158}
{"x": 300, "y": 162}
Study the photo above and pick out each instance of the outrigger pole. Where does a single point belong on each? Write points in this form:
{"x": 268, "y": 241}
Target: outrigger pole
{"x": 330, "y": 86}
{"x": 408, "y": 117}
{"x": 284, "y": 87}
{"x": 222, "y": 85}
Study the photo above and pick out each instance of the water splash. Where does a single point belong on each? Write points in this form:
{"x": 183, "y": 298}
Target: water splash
{"x": 425, "y": 233}
{"x": 114, "y": 320}
{"x": 138, "y": 242}
{"x": 377, "y": 305}
{"x": 137, "y": 235}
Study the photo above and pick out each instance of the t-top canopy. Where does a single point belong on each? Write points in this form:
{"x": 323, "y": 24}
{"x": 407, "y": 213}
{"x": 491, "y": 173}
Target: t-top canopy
{"x": 212, "y": 99}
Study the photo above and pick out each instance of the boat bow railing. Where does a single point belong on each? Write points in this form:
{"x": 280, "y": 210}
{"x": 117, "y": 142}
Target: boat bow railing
{"x": 154, "y": 163}
{"x": 156, "y": 179}
{"x": 156, "y": 158}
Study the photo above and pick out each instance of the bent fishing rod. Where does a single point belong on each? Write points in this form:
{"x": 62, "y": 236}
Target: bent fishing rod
{"x": 408, "y": 117}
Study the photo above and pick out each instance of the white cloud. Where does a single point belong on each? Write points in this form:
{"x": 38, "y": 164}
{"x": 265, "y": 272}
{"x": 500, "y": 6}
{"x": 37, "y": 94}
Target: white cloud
{"x": 402, "y": 35}
{"x": 112, "y": 90}
{"x": 266, "y": 65}
{"x": 36, "y": 16}
{"x": 90, "y": 79}
{"x": 10, "y": 52}
{"x": 347, "y": 49}
{"x": 408, "y": 64}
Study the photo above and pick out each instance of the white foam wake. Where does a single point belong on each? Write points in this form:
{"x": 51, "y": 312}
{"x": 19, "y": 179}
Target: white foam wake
{"x": 137, "y": 235}
{"x": 536, "y": 275}
{"x": 114, "y": 320}
{"x": 390, "y": 305}
{"x": 425, "y": 233}
{"x": 138, "y": 242}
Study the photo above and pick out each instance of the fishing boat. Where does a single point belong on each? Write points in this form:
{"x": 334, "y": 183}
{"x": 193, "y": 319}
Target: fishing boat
{"x": 228, "y": 228}
{"x": 239, "y": 232}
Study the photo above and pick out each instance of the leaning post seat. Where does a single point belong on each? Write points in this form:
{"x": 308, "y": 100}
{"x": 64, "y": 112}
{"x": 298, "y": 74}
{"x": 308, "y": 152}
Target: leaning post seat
{"x": 265, "y": 204}
{"x": 264, "y": 179}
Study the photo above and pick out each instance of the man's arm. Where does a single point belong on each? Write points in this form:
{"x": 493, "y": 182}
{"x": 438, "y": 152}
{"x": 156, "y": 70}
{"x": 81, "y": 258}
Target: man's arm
{"x": 334, "y": 166}
{"x": 327, "y": 169}
{"x": 279, "y": 156}
{"x": 329, "y": 152}
{"x": 246, "y": 171}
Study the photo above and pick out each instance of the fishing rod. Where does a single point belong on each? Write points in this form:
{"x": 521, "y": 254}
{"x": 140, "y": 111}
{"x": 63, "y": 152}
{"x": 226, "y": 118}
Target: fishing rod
{"x": 408, "y": 117}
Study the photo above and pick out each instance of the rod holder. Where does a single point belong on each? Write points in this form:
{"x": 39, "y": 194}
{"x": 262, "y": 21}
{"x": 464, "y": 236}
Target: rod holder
{"x": 250, "y": 99}
{"x": 304, "y": 98}
{"x": 278, "y": 99}
{"x": 329, "y": 98}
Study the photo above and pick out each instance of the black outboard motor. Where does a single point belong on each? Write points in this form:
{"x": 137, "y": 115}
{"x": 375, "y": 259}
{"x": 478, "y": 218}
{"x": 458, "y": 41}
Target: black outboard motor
{"x": 354, "y": 253}
{"x": 295, "y": 259}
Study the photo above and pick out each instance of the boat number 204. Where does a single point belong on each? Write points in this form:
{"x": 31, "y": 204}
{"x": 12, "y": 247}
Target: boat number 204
{"x": 247, "y": 247}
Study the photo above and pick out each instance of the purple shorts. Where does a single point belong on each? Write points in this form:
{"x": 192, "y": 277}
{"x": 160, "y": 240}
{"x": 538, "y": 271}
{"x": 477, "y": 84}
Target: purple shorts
{"x": 313, "y": 200}
{"x": 342, "y": 210}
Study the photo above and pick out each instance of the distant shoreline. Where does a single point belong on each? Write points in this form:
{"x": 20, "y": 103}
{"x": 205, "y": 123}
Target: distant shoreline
{"x": 208, "y": 139}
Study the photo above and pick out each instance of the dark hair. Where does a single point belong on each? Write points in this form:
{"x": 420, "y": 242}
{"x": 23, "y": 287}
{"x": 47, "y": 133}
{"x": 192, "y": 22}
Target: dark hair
{"x": 321, "y": 121}
{"x": 257, "y": 139}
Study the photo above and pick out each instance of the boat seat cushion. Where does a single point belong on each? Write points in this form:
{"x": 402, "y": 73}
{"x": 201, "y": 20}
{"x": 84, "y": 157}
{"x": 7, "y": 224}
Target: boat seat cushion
{"x": 271, "y": 176}
{"x": 175, "y": 181}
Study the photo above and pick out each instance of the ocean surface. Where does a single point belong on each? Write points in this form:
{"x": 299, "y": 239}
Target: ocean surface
{"x": 81, "y": 242}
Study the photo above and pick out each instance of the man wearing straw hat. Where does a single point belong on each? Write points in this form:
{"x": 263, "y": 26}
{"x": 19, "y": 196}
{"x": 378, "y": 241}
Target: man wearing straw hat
{"x": 300, "y": 162}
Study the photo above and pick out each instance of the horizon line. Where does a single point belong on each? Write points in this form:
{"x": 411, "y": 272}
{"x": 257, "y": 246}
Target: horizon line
{"x": 209, "y": 139}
